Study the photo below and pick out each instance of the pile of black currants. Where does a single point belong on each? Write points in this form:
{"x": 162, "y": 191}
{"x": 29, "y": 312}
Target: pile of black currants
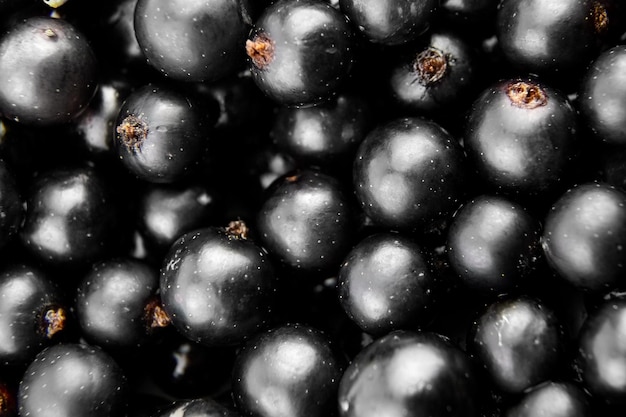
{"x": 311, "y": 208}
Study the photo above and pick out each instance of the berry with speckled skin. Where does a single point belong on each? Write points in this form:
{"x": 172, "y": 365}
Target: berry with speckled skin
{"x": 291, "y": 370}
{"x": 409, "y": 174}
{"x": 192, "y": 40}
{"x": 300, "y": 52}
{"x": 33, "y": 313}
{"x": 552, "y": 399}
{"x": 584, "y": 236}
{"x": 162, "y": 133}
{"x": 116, "y": 304}
{"x": 306, "y": 222}
{"x": 217, "y": 285}
{"x": 69, "y": 380}
{"x": 519, "y": 342}
{"x": 48, "y": 72}
{"x": 385, "y": 283}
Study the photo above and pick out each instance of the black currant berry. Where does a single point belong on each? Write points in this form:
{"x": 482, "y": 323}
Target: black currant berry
{"x": 521, "y": 137}
{"x": 584, "y": 237}
{"x": 48, "y": 71}
{"x": 438, "y": 74}
{"x": 33, "y": 314}
{"x": 161, "y": 133}
{"x": 70, "y": 218}
{"x": 306, "y": 222}
{"x": 391, "y": 22}
{"x": 385, "y": 283}
{"x": 602, "y": 357}
{"x": 602, "y": 96}
{"x": 409, "y": 174}
{"x": 552, "y": 399}
{"x": 493, "y": 244}
{"x": 325, "y": 135}
{"x": 300, "y": 64}
{"x": 556, "y": 39}
{"x": 71, "y": 379}
{"x": 192, "y": 41}
{"x": 519, "y": 343}
{"x": 409, "y": 374}
{"x": 117, "y": 306}
{"x": 291, "y": 370}
{"x": 165, "y": 212}
{"x": 217, "y": 286}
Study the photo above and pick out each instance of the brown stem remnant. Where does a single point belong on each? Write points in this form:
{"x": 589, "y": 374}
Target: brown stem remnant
{"x": 7, "y": 402}
{"x": 260, "y": 50}
{"x": 430, "y": 65}
{"x": 526, "y": 95}
{"x": 155, "y": 315}
{"x": 133, "y": 131}
{"x": 600, "y": 17}
{"x": 237, "y": 229}
{"x": 54, "y": 319}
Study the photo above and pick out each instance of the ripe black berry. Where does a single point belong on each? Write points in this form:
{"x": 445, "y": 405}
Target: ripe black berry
{"x": 584, "y": 236}
{"x": 161, "y": 133}
{"x": 73, "y": 380}
{"x": 493, "y": 244}
{"x": 197, "y": 41}
{"x": 521, "y": 137}
{"x": 300, "y": 64}
{"x": 602, "y": 96}
{"x": 519, "y": 343}
{"x": 291, "y": 370}
{"x": 33, "y": 314}
{"x": 409, "y": 173}
{"x": 217, "y": 286}
{"x": 392, "y": 22}
{"x": 385, "y": 283}
{"x": 409, "y": 374}
{"x": 48, "y": 71}
{"x": 306, "y": 222}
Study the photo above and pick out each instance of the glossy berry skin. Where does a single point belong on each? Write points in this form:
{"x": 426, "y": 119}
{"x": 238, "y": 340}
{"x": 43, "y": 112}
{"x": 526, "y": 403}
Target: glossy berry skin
{"x": 33, "y": 313}
{"x": 552, "y": 399}
{"x": 306, "y": 222}
{"x": 217, "y": 286}
{"x": 48, "y": 71}
{"x": 385, "y": 283}
{"x": 116, "y": 302}
{"x": 11, "y": 205}
{"x": 393, "y": 22}
{"x": 409, "y": 174}
{"x": 291, "y": 370}
{"x": 521, "y": 137}
{"x": 584, "y": 236}
{"x": 70, "y": 217}
{"x": 493, "y": 244}
{"x": 603, "y": 96}
{"x": 197, "y": 407}
{"x": 161, "y": 133}
{"x": 298, "y": 64}
{"x": 165, "y": 212}
{"x": 71, "y": 379}
{"x": 519, "y": 343}
{"x": 409, "y": 374}
{"x": 323, "y": 135}
{"x": 192, "y": 41}
{"x": 554, "y": 39}
{"x": 435, "y": 75}
{"x": 602, "y": 357}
